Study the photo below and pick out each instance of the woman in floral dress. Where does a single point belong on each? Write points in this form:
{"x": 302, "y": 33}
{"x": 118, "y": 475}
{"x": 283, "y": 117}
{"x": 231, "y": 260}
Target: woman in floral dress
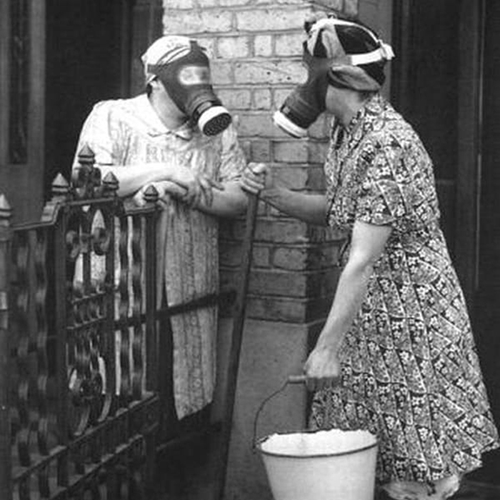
{"x": 410, "y": 372}
{"x": 396, "y": 355}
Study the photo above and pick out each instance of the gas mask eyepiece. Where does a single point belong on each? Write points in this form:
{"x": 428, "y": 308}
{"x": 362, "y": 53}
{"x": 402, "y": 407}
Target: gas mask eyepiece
{"x": 187, "y": 81}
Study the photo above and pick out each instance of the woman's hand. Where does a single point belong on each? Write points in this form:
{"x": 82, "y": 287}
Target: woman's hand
{"x": 170, "y": 189}
{"x": 257, "y": 177}
{"x": 198, "y": 187}
{"x": 166, "y": 190}
{"x": 322, "y": 369}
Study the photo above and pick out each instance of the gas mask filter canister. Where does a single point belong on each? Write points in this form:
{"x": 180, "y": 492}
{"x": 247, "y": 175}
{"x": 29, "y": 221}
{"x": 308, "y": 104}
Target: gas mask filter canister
{"x": 187, "y": 81}
{"x": 303, "y": 106}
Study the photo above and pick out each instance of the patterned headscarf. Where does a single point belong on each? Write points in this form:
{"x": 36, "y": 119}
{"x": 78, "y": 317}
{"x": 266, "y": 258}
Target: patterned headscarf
{"x": 357, "y": 54}
{"x": 164, "y": 50}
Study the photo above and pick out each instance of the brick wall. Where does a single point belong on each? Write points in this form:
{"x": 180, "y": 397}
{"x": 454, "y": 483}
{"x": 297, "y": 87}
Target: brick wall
{"x": 255, "y": 48}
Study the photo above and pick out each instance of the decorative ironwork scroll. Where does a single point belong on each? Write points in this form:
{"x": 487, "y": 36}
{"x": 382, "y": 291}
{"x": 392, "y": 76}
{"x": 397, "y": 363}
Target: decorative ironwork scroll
{"x": 82, "y": 420}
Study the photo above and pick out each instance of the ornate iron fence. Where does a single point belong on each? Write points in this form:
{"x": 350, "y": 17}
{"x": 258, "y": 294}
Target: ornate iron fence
{"x": 79, "y": 317}
{"x": 78, "y": 403}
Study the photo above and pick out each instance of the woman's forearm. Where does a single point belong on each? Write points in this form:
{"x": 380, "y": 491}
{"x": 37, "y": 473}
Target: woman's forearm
{"x": 307, "y": 207}
{"x": 351, "y": 291}
{"x": 131, "y": 178}
{"x": 228, "y": 202}
{"x": 323, "y": 365}
{"x": 367, "y": 244}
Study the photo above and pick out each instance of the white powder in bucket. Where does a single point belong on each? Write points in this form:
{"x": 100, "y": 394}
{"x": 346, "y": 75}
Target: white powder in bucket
{"x": 317, "y": 443}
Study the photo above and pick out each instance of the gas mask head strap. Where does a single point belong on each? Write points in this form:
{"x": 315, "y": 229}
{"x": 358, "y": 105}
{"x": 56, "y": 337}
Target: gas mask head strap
{"x": 383, "y": 52}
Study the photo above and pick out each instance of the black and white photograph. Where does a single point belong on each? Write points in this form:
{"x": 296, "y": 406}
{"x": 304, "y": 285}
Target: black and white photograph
{"x": 249, "y": 250}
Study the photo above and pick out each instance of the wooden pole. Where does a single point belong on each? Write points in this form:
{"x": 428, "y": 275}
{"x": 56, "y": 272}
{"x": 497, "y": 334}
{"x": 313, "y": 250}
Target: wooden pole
{"x": 235, "y": 342}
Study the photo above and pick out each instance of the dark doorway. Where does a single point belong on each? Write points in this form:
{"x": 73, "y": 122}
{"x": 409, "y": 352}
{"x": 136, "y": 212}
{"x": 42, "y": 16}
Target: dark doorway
{"x": 486, "y": 312}
{"x": 425, "y": 89}
{"x": 446, "y": 81}
{"x": 87, "y": 60}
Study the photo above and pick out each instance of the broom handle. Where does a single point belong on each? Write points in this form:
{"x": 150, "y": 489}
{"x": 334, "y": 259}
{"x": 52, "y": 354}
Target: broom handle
{"x": 236, "y": 342}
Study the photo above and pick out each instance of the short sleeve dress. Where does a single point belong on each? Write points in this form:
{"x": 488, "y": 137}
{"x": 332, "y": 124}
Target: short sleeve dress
{"x": 127, "y": 132}
{"x": 410, "y": 371}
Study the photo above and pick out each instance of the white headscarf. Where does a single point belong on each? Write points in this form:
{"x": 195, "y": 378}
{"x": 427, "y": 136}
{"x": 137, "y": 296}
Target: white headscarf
{"x": 163, "y": 51}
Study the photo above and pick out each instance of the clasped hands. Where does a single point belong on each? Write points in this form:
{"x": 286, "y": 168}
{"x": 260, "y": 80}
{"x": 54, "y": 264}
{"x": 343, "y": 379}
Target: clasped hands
{"x": 196, "y": 188}
{"x": 186, "y": 186}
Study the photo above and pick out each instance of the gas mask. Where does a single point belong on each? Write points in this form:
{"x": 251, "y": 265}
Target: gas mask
{"x": 339, "y": 53}
{"x": 303, "y": 106}
{"x": 187, "y": 81}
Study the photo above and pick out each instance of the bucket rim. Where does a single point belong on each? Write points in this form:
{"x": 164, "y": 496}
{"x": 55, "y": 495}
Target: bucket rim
{"x": 260, "y": 441}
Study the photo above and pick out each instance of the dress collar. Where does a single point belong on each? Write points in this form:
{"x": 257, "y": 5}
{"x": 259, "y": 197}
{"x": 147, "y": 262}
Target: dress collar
{"x": 360, "y": 122}
{"x": 371, "y": 108}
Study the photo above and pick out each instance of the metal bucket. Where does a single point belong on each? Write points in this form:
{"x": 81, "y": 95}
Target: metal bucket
{"x": 320, "y": 465}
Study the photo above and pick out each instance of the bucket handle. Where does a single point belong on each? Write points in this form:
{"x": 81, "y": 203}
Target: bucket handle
{"x": 292, "y": 379}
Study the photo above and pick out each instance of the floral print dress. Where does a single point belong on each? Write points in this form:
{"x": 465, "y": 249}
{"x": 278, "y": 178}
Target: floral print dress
{"x": 410, "y": 372}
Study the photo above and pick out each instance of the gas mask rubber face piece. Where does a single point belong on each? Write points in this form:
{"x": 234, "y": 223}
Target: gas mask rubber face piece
{"x": 187, "y": 81}
{"x": 303, "y": 106}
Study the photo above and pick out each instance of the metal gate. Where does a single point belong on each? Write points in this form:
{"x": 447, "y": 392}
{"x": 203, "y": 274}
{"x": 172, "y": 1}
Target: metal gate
{"x": 78, "y": 401}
